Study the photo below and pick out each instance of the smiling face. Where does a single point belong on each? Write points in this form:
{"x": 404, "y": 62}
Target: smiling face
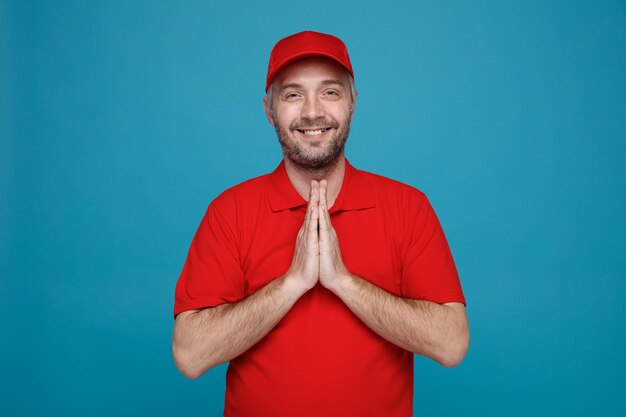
{"x": 311, "y": 111}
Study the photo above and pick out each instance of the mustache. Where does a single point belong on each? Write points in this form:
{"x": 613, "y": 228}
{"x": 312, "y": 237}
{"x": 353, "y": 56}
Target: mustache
{"x": 317, "y": 123}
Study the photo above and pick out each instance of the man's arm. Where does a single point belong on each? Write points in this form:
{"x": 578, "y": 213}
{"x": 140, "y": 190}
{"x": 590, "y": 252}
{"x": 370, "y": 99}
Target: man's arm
{"x": 208, "y": 337}
{"x": 438, "y": 331}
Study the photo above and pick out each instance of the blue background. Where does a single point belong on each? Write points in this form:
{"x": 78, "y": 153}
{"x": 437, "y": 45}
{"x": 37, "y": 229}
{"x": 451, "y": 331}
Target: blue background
{"x": 121, "y": 121}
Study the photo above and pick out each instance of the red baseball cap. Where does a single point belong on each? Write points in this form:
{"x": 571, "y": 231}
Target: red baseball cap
{"x": 306, "y": 44}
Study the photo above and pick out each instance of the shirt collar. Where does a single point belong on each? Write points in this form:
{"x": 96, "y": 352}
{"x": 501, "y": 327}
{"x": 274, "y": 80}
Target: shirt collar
{"x": 356, "y": 192}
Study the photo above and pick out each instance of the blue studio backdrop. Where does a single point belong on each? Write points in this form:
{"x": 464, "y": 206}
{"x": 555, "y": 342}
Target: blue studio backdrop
{"x": 120, "y": 121}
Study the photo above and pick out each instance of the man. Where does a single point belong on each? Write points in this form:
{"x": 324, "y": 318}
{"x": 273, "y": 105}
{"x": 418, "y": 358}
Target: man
{"x": 317, "y": 281}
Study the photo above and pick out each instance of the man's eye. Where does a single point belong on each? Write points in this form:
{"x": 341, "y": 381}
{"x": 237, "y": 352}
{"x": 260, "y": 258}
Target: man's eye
{"x": 291, "y": 95}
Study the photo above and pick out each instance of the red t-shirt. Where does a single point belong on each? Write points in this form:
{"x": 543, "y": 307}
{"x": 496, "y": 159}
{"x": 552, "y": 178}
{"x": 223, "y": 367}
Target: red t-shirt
{"x": 320, "y": 359}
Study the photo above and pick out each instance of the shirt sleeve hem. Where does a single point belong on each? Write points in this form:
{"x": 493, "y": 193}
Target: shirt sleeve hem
{"x": 197, "y": 304}
{"x": 443, "y": 298}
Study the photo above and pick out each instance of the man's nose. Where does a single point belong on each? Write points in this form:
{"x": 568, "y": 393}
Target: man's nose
{"x": 312, "y": 108}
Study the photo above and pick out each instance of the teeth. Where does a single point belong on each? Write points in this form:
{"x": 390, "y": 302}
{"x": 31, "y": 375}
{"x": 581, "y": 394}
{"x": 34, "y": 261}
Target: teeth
{"x": 313, "y": 132}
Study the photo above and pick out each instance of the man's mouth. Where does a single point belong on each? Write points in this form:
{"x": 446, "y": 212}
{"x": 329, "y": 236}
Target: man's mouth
{"x": 313, "y": 132}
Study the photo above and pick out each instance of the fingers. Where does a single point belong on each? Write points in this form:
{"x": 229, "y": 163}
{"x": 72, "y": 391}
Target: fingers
{"x": 315, "y": 193}
{"x": 323, "y": 184}
{"x": 309, "y": 208}
{"x": 317, "y": 214}
{"x": 324, "y": 216}
{"x": 313, "y": 211}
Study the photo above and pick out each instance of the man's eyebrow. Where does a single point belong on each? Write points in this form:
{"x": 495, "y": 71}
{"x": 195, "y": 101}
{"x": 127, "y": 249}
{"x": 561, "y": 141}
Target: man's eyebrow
{"x": 292, "y": 85}
{"x": 333, "y": 81}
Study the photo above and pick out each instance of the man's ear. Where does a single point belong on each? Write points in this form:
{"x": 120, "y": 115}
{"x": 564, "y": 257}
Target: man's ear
{"x": 268, "y": 112}
{"x": 353, "y": 105}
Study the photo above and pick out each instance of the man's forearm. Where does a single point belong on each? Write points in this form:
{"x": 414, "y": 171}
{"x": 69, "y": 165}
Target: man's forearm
{"x": 206, "y": 338}
{"x": 438, "y": 331}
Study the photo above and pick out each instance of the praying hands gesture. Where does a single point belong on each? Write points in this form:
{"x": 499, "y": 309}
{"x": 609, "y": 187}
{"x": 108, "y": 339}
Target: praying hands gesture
{"x": 317, "y": 256}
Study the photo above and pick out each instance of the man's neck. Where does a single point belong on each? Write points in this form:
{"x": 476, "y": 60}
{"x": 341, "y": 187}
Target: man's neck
{"x": 301, "y": 178}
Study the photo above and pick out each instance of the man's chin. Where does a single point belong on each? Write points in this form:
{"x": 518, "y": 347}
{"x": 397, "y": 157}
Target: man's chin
{"x": 314, "y": 161}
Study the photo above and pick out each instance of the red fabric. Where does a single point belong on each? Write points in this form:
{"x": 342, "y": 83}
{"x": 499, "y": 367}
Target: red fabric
{"x": 306, "y": 44}
{"x": 320, "y": 360}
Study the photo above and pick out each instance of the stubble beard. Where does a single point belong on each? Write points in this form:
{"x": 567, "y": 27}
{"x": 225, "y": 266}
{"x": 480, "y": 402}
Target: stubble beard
{"x": 312, "y": 156}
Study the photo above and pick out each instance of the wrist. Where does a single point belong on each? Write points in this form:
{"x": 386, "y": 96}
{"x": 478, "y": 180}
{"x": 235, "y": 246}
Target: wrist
{"x": 293, "y": 285}
{"x": 343, "y": 284}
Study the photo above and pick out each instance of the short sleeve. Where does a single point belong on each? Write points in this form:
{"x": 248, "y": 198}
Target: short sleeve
{"x": 212, "y": 274}
{"x": 428, "y": 269}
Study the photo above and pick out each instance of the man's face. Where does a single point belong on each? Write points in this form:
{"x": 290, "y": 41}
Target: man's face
{"x": 311, "y": 111}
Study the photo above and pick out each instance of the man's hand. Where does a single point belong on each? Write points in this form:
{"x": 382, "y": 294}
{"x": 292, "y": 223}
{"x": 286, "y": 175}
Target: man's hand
{"x": 304, "y": 270}
{"x": 332, "y": 269}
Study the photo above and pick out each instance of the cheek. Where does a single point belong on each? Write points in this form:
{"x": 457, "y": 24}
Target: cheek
{"x": 286, "y": 116}
{"x": 340, "y": 110}
{"x": 342, "y": 115}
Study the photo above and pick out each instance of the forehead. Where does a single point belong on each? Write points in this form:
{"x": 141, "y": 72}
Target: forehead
{"x": 312, "y": 70}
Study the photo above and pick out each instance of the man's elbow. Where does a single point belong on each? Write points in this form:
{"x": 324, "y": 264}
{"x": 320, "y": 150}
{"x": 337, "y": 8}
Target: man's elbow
{"x": 188, "y": 364}
{"x": 455, "y": 352}
{"x": 452, "y": 359}
{"x": 184, "y": 363}
{"x": 189, "y": 372}
{"x": 189, "y": 361}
